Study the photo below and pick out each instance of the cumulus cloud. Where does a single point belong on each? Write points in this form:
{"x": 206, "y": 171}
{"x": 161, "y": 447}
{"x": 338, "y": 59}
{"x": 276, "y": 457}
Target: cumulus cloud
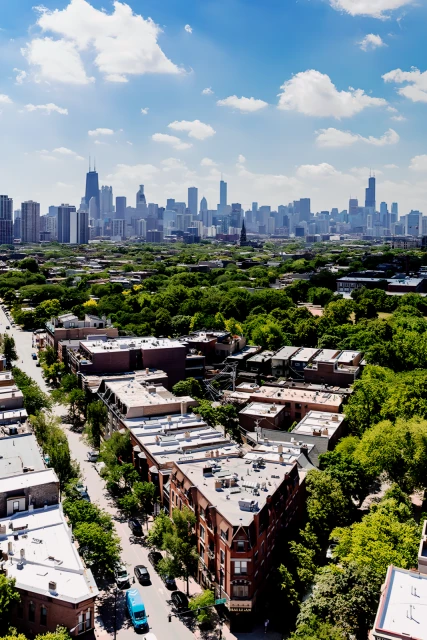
{"x": 47, "y": 108}
{"x": 188, "y": 29}
{"x": 314, "y": 94}
{"x": 207, "y": 92}
{"x": 94, "y": 133}
{"x": 123, "y": 44}
{"x": 173, "y": 164}
{"x": 391, "y": 166}
{"x": 371, "y": 42}
{"x": 241, "y": 159}
{"x": 144, "y": 111}
{"x": 336, "y": 138}
{"x": 207, "y": 162}
{"x": 416, "y": 83}
{"x": 64, "y": 151}
{"x": 133, "y": 174}
{"x": 195, "y": 128}
{"x": 419, "y": 163}
{"x": 173, "y": 141}
{"x": 20, "y": 76}
{"x": 373, "y": 8}
{"x": 4, "y": 99}
{"x": 245, "y": 105}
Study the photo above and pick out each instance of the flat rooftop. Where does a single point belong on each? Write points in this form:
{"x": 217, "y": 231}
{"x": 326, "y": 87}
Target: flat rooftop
{"x": 18, "y": 452}
{"x": 133, "y": 396}
{"x": 235, "y": 501}
{"x": 164, "y": 424}
{"x": 319, "y": 423}
{"x": 285, "y": 353}
{"x": 124, "y": 344}
{"x": 402, "y": 612}
{"x": 93, "y": 382}
{"x": 26, "y": 480}
{"x": 348, "y": 357}
{"x": 50, "y": 555}
{"x": 244, "y": 353}
{"x": 305, "y": 355}
{"x": 262, "y": 356}
{"x": 262, "y": 409}
{"x": 327, "y": 355}
{"x": 285, "y": 394}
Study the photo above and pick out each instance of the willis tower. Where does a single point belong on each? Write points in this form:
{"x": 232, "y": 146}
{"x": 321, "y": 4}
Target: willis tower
{"x": 92, "y": 189}
{"x": 370, "y": 201}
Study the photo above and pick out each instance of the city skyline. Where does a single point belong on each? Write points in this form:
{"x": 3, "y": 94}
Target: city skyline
{"x": 274, "y": 112}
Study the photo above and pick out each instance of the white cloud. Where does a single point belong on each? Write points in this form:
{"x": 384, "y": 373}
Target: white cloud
{"x": 207, "y": 162}
{"x": 241, "y": 159}
{"x": 124, "y": 44}
{"x": 64, "y": 151}
{"x": 129, "y": 143}
{"x": 195, "y": 128}
{"x": 47, "y": 108}
{"x": 323, "y": 170}
{"x": 419, "y": 163}
{"x": 98, "y": 142}
{"x": 336, "y": 138}
{"x": 20, "y": 76}
{"x": 373, "y": 8}
{"x": 144, "y": 111}
{"x": 207, "y": 92}
{"x": 371, "y": 42}
{"x": 391, "y": 166}
{"x": 245, "y": 105}
{"x": 4, "y": 99}
{"x": 101, "y": 132}
{"x": 314, "y": 94}
{"x": 134, "y": 174}
{"x": 188, "y": 29}
{"x": 173, "y": 141}
{"x": 416, "y": 87}
{"x": 173, "y": 164}
{"x": 56, "y": 61}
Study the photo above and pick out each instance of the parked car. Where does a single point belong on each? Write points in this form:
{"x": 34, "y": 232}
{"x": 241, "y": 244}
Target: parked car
{"x": 180, "y": 603}
{"x": 142, "y": 574}
{"x": 82, "y": 490}
{"x": 7, "y": 326}
{"x": 38, "y": 363}
{"x": 155, "y": 557}
{"x": 99, "y": 466}
{"x": 135, "y": 526}
{"x": 34, "y": 356}
{"x": 136, "y": 610}
{"x": 169, "y": 582}
{"x": 92, "y": 456}
{"x": 121, "y": 575}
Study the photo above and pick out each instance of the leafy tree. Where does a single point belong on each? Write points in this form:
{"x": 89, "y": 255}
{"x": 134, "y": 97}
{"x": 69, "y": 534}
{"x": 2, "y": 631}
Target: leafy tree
{"x": 180, "y": 544}
{"x": 9, "y": 350}
{"x": 355, "y": 479}
{"x": 224, "y": 415}
{"x": 189, "y": 387}
{"x": 145, "y": 493}
{"x": 204, "y": 599}
{"x": 129, "y": 504}
{"x": 116, "y": 449}
{"x": 80, "y": 511}
{"x": 29, "y": 264}
{"x": 8, "y": 596}
{"x": 99, "y": 548}
{"x": 61, "y": 633}
{"x": 47, "y": 309}
{"x": 48, "y": 356}
{"x": 304, "y": 553}
{"x": 315, "y": 629}
{"x": 327, "y": 504}
{"x": 76, "y": 410}
{"x": 162, "y": 525}
{"x": 288, "y": 586}
{"x": 34, "y": 398}
{"x": 97, "y": 420}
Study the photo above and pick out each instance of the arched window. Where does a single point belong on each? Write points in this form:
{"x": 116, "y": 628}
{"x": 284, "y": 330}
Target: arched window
{"x": 43, "y": 615}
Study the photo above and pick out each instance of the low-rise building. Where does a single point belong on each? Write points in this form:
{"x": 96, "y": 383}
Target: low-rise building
{"x": 120, "y": 355}
{"x": 335, "y": 368}
{"x": 241, "y": 505}
{"x": 216, "y": 346}
{"x": 280, "y": 362}
{"x": 257, "y": 413}
{"x": 28, "y": 491}
{"x": 69, "y": 327}
{"x": 54, "y": 585}
{"x": 241, "y": 357}
{"x": 260, "y": 363}
{"x": 20, "y": 454}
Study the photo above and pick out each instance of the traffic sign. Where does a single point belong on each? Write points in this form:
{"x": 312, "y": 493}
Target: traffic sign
{"x": 220, "y": 601}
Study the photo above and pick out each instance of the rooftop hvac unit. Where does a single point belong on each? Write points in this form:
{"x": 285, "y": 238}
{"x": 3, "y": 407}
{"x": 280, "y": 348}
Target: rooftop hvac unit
{"x": 52, "y": 586}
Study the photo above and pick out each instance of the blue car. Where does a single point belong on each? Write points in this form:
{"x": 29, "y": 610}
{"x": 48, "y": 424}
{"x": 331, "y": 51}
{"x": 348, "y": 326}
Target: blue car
{"x": 136, "y": 610}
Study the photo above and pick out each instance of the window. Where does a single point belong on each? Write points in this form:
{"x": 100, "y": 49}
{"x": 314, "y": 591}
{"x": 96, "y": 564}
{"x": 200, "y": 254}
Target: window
{"x": 43, "y": 616}
{"x": 224, "y": 534}
{"x": 202, "y": 512}
{"x": 297, "y": 415}
{"x": 15, "y": 506}
{"x": 297, "y": 405}
{"x": 202, "y": 532}
{"x": 256, "y": 556}
{"x": 85, "y": 619}
{"x": 31, "y": 612}
{"x": 240, "y": 545}
{"x": 202, "y": 551}
{"x": 222, "y": 556}
{"x": 240, "y": 567}
{"x": 240, "y": 591}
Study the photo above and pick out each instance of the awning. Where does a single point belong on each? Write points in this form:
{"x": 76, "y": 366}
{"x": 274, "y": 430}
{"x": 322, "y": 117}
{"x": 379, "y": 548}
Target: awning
{"x": 142, "y": 456}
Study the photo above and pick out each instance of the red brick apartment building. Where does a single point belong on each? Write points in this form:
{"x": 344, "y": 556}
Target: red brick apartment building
{"x": 242, "y": 506}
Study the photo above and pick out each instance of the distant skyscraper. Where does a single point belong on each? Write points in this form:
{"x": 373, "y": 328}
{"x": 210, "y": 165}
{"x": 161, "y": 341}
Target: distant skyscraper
{"x": 254, "y": 207}
{"x": 106, "y": 200}
{"x": 53, "y": 211}
{"x": 193, "y": 200}
{"x": 140, "y": 197}
{"x": 236, "y": 215}
{"x": 370, "y": 201}
{"x": 222, "y": 195}
{"x": 203, "y": 205}
{"x": 6, "y": 220}
{"x": 64, "y": 213}
{"x": 413, "y": 224}
{"x": 120, "y": 207}
{"x": 17, "y": 224}
{"x": 304, "y": 209}
{"x": 79, "y": 226}
{"x": 394, "y": 214}
{"x": 30, "y": 221}
{"x": 92, "y": 190}
{"x": 243, "y": 233}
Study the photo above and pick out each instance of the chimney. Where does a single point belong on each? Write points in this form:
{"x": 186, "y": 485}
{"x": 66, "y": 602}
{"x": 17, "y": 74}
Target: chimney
{"x": 280, "y": 448}
{"x": 22, "y": 554}
{"x": 10, "y": 548}
{"x": 52, "y": 586}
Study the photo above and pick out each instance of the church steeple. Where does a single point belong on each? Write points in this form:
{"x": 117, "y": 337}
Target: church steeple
{"x": 243, "y": 233}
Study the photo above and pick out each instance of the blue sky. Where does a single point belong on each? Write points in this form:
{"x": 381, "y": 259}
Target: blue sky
{"x": 285, "y": 98}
